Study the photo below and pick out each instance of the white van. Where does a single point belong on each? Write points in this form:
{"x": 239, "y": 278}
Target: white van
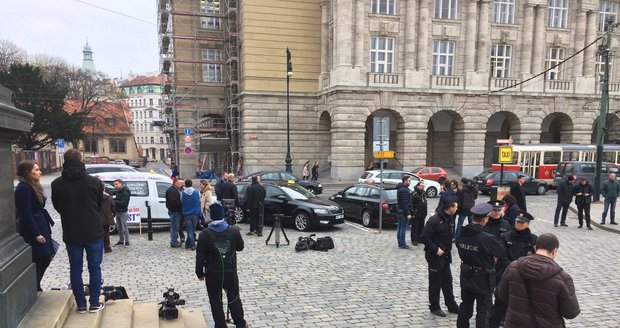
{"x": 144, "y": 187}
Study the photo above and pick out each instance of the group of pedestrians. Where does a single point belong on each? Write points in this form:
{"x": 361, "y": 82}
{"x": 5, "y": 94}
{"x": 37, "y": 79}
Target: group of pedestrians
{"x": 306, "y": 170}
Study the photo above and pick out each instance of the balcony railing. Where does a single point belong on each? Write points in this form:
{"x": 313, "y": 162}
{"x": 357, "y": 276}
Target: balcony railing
{"x": 385, "y": 80}
{"x": 558, "y": 86}
{"x": 501, "y": 83}
{"x": 447, "y": 82}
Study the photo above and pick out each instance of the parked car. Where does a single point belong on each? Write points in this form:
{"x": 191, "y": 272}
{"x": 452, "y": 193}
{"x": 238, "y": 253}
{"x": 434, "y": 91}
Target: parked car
{"x": 434, "y": 173}
{"x": 393, "y": 176}
{"x": 584, "y": 170}
{"x": 312, "y": 186}
{"x": 299, "y": 206}
{"x": 361, "y": 202}
{"x": 120, "y": 162}
{"x": 98, "y": 168}
{"x": 532, "y": 186}
{"x": 134, "y": 163}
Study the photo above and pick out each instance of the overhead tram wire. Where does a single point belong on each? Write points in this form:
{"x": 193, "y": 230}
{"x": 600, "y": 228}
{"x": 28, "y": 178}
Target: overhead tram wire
{"x": 548, "y": 69}
{"x": 116, "y": 12}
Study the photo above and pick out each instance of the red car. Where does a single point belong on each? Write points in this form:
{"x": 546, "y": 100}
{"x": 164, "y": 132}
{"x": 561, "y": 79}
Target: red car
{"x": 434, "y": 173}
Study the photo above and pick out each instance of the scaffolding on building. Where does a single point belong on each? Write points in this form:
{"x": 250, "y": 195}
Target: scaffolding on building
{"x": 191, "y": 100}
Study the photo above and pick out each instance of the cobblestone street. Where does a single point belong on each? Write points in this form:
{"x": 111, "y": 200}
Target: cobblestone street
{"x": 366, "y": 281}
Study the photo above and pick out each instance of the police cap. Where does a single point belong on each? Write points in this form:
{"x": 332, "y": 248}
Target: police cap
{"x": 497, "y": 204}
{"x": 482, "y": 209}
{"x": 524, "y": 216}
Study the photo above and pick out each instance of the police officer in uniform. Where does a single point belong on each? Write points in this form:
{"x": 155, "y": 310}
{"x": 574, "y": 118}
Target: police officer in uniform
{"x": 497, "y": 225}
{"x": 518, "y": 243}
{"x": 478, "y": 251}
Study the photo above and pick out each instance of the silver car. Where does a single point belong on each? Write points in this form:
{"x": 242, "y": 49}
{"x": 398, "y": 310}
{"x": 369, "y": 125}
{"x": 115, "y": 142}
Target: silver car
{"x": 393, "y": 176}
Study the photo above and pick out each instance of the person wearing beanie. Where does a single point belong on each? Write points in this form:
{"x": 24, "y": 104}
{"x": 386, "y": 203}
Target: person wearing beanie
{"x": 216, "y": 264}
{"x": 565, "y": 197}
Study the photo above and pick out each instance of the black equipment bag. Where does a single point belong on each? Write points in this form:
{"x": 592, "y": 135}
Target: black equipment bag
{"x": 305, "y": 243}
{"x": 324, "y": 244}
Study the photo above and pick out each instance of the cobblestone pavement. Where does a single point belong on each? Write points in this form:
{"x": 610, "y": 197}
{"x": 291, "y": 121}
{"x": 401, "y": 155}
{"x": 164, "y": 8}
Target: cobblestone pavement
{"x": 366, "y": 281}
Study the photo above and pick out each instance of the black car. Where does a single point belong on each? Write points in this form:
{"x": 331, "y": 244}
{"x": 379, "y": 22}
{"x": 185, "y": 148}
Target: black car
{"x": 312, "y": 186}
{"x": 361, "y": 202}
{"x": 300, "y": 207}
{"x": 532, "y": 186}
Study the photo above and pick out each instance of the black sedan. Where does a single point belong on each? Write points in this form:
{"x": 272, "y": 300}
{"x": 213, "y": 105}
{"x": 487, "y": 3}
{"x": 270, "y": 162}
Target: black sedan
{"x": 532, "y": 186}
{"x": 312, "y": 186}
{"x": 361, "y": 202}
{"x": 300, "y": 207}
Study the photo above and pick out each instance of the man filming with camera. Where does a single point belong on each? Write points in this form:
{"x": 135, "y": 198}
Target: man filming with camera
{"x": 216, "y": 263}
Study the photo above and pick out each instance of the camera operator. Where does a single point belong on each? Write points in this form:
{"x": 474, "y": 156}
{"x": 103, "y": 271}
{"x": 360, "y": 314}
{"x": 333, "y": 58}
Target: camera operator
{"x": 216, "y": 262}
{"x": 254, "y": 204}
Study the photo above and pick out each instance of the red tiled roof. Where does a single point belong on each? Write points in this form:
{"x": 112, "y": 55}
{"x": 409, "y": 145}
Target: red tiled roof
{"x": 104, "y": 114}
{"x": 142, "y": 80}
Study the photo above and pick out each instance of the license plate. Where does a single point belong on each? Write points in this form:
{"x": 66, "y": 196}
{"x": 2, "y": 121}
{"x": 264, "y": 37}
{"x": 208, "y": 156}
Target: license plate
{"x": 339, "y": 216}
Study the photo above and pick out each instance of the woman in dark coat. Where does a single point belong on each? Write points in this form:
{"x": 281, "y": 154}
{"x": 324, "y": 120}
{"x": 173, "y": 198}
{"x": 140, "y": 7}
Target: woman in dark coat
{"x": 33, "y": 221}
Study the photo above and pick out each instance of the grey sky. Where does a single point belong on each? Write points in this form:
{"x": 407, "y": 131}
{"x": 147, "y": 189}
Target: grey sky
{"x": 61, "y": 28}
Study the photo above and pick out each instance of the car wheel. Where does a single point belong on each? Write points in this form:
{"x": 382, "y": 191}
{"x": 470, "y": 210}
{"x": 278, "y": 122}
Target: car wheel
{"x": 302, "y": 221}
{"x": 441, "y": 180}
{"x": 239, "y": 215}
{"x": 112, "y": 229}
{"x": 541, "y": 190}
{"x": 431, "y": 192}
{"x": 311, "y": 190}
{"x": 367, "y": 219}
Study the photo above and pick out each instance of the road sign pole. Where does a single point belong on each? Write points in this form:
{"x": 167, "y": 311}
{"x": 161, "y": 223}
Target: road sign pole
{"x": 381, "y": 176}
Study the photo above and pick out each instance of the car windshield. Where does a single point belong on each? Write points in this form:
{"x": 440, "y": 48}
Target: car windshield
{"x": 417, "y": 169}
{"x": 297, "y": 192}
{"x": 366, "y": 175}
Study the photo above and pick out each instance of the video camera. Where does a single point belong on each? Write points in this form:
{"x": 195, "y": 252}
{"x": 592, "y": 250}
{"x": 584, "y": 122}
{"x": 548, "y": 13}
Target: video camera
{"x": 230, "y": 207}
{"x": 168, "y": 309}
{"x": 114, "y": 293}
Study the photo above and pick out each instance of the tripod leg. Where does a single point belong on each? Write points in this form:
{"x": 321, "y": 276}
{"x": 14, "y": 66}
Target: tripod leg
{"x": 277, "y": 226}
{"x": 288, "y": 242}
{"x": 270, "y": 233}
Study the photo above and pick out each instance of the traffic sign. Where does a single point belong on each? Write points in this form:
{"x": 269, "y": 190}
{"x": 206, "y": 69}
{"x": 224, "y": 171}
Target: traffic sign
{"x": 188, "y": 131}
{"x": 505, "y": 154}
{"x": 188, "y": 150}
{"x": 60, "y": 143}
{"x": 385, "y": 154}
{"x": 187, "y": 138}
{"x": 505, "y": 141}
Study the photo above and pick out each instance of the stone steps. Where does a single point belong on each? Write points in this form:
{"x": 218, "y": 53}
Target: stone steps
{"x": 57, "y": 309}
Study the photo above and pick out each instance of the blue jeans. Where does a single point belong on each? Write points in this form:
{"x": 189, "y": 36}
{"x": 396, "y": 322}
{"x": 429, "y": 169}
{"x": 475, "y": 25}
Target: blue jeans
{"x": 190, "y": 227}
{"x": 459, "y": 224}
{"x": 609, "y": 202}
{"x": 174, "y": 226}
{"x": 401, "y": 231}
{"x": 94, "y": 256}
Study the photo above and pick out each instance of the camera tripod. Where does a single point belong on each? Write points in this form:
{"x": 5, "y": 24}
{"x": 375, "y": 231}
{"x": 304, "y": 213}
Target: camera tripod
{"x": 277, "y": 226}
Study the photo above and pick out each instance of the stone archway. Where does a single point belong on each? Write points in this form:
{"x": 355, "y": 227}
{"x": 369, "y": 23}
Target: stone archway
{"x": 612, "y": 130}
{"x": 324, "y": 140}
{"x": 395, "y": 137}
{"x": 500, "y": 125}
{"x": 557, "y": 128}
{"x": 445, "y": 139}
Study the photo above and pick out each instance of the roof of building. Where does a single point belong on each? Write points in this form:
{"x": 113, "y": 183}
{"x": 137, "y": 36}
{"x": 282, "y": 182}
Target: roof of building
{"x": 141, "y": 80}
{"x": 103, "y": 112}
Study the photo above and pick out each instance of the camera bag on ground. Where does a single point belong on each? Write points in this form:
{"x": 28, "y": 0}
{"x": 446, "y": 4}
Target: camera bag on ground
{"x": 321, "y": 244}
{"x": 324, "y": 244}
{"x": 305, "y": 243}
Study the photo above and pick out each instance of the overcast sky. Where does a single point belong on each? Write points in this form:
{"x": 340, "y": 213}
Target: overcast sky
{"x": 120, "y": 44}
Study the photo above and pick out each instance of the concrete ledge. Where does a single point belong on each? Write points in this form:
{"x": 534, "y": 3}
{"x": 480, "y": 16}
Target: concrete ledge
{"x": 146, "y": 315}
{"x": 194, "y": 318}
{"x": 83, "y": 320}
{"x": 118, "y": 314}
{"x": 49, "y": 311}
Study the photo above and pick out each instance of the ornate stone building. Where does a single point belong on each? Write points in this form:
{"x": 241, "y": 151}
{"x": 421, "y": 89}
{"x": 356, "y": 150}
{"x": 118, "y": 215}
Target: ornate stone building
{"x": 449, "y": 77}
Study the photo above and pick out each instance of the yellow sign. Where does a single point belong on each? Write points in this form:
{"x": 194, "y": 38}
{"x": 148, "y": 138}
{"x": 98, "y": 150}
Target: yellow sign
{"x": 505, "y": 154}
{"x": 385, "y": 154}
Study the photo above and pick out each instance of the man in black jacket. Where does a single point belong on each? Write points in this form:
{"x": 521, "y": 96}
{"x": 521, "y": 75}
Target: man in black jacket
{"x": 216, "y": 262}
{"x": 403, "y": 196}
{"x": 437, "y": 238}
{"x": 121, "y": 203}
{"x": 77, "y": 197}
{"x": 254, "y": 202}
{"x": 565, "y": 197}
{"x": 518, "y": 192}
{"x": 419, "y": 207}
{"x": 496, "y": 225}
{"x": 228, "y": 190}
{"x": 467, "y": 199}
{"x": 173, "y": 204}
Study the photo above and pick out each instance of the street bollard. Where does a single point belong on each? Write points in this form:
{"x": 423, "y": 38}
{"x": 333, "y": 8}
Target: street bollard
{"x": 149, "y": 221}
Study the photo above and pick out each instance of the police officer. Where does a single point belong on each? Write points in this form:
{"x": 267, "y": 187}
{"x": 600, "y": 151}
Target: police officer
{"x": 518, "y": 243}
{"x": 497, "y": 225}
{"x": 478, "y": 251}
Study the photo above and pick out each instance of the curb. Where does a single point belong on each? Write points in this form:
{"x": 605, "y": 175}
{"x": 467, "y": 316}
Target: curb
{"x": 594, "y": 223}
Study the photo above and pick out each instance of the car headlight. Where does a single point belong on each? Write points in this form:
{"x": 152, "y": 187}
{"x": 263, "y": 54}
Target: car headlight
{"x": 320, "y": 186}
{"x": 321, "y": 211}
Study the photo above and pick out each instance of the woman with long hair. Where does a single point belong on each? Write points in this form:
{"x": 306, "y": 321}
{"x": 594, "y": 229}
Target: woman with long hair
{"x": 206, "y": 199}
{"x": 33, "y": 221}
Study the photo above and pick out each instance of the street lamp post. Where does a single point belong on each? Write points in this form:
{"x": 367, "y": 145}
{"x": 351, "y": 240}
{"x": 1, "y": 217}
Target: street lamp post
{"x": 289, "y": 73}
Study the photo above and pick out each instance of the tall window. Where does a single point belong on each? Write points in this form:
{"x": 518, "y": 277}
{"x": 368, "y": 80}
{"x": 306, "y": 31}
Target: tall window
{"x": 151, "y": 102}
{"x": 90, "y": 145}
{"x": 599, "y": 67}
{"x": 504, "y": 11}
{"x": 554, "y": 57}
{"x": 445, "y": 9}
{"x": 501, "y": 55}
{"x": 381, "y": 55}
{"x": 161, "y": 140}
{"x": 152, "y": 140}
{"x": 386, "y": 7}
{"x": 558, "y": 13}
{"x": 212, "y": 72}
{"x": 117, "y": 146}
{"x": 210, "y": 7}
{"x": 607, "y": 9}
{"x": 443, "y": 57}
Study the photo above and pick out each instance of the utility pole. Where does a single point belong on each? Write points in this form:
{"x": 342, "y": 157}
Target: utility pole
{"x": 605, "y": 52}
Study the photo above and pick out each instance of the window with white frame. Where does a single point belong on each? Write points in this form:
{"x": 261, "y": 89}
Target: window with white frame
{"x": 607, "y": 9}
{"x": 212, "y": 72}
{"x": 443, "y": 57}
{"x": 558, "y": 13}
{"x": 445, "y": 9}
{"x": 386, "y": 7}
{"x": 210, "y": 7}
{"x": 504, "y": 11}
{"x": 381, "y": 55}
{"x": 599, "y": 67}
{"x": 554, "y": 57}
{"x": 501, "y": 58}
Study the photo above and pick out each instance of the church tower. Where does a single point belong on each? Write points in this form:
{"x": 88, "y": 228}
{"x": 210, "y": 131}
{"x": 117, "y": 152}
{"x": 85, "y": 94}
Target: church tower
{"x": 87, "y": 63}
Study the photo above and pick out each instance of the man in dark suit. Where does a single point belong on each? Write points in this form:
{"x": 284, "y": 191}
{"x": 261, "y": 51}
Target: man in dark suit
{"x": 254, "y": 204}
{"x": 519, "y": 193}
